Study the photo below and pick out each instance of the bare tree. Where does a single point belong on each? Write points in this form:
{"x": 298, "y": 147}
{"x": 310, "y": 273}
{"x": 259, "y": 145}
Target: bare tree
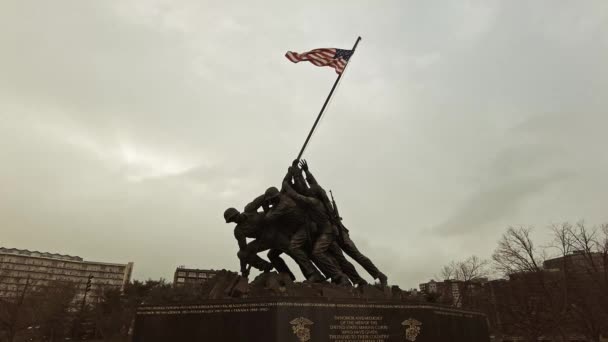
{"x": 562, "y": 238}
{"x": 603, "y": 249}
{"x": 592, "y": 245}
{"x": 563, "y": 242}
{"x": 54, "y": 309}
{"x": 587, "y": 277}
{"x": 463, "y": 275}
{"x": 5, "y": 313}
{"x": 469, "y": 269}
{"x": 533, "y": 292}
{"x": 517, "y": 253}
{"x": 16, "y": 313}
{"x": 570, "y": 296}
{"x": 447, "y": 271}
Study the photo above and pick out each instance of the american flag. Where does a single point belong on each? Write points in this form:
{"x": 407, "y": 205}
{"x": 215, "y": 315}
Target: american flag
{"x": 335, "y": 58}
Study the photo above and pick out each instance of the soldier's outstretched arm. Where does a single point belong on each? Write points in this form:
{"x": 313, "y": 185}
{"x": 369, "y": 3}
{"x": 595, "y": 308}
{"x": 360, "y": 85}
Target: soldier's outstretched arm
{"x": 242, "y": 241}
{"x": 277, "y": 211}
{"x": 299, "y": 183}
{"x": 300, "y": 199}
{"x": 287, "y": 179}
{"x": 244, "y": 270}
{"x": 255, "y": 204}
{"x": 309, "y": 177}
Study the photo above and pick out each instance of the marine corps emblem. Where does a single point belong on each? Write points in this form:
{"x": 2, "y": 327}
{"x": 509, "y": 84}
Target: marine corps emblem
{"x": 412, "y": 329}
{"x": 300, "y": 329}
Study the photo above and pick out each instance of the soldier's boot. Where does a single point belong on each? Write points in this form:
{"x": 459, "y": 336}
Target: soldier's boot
{"x": 383, "y": 279}
{"x": 267, "y": 268}
{"x": 311, "y": 273}
{"x": 361, "y": 282}
{"x": 342, "y": 280}
{"x": 254, "y": 260}
{"x": 274, "y": 255}
{"x": 355, "y": 278}
{"x": 315, "y": 278}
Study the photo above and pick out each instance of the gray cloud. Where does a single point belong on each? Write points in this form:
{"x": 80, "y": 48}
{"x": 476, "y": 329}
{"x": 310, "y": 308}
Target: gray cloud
{"x": 127, "y": 127}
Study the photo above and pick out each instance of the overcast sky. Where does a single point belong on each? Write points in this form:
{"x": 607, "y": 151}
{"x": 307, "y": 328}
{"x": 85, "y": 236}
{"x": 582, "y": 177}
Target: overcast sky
{"x": 127, "y": 127}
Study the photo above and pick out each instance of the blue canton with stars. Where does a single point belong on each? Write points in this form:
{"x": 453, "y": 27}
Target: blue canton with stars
{"x": 344, "y": 54}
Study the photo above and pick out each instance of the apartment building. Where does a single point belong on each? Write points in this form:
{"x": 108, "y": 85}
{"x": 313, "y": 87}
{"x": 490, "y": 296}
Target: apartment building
{"x": 19, "y": 267}
{"x": 190, "y": 276}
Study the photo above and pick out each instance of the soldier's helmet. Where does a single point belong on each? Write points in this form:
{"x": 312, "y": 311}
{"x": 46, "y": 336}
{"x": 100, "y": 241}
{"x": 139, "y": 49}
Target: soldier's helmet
{"x": 271, "y": 193}
{"x": 230, "y": 214}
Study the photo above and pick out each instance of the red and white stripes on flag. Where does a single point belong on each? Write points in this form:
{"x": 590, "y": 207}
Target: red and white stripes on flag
{"x": 335, "y": 58}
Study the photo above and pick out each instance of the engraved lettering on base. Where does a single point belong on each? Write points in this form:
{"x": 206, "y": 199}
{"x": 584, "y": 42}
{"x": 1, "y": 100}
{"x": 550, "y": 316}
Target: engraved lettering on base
{"x": 412, "y": 329}
{"x": 300, "y": 329}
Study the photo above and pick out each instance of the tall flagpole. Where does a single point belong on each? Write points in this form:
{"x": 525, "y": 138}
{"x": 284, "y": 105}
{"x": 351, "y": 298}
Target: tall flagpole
{"x": 327, "y": 101}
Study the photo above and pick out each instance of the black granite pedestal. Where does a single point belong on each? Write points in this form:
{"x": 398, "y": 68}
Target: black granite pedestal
{"x": 301, "y": 320}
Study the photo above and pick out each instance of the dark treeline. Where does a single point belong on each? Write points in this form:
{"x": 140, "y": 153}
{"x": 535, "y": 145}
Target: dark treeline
{"x": 540, "y": 292}
{"x": 55, "y": 312}
{"x": 552, "y": 292}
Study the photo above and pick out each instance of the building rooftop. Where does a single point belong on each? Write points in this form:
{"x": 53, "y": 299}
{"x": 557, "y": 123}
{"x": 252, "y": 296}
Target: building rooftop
{"x": 38, "y": 254}
{"x": 184, "y": 268}
{"x": 55, "y": 256}
{"x": 576, "y": 255}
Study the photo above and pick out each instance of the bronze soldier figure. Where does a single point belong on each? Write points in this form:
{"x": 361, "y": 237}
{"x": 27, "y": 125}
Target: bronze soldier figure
{"x": 300, "y": 221}
{"x": 325, "y": 234}
{"x": 300, "y": 186}
{"x": 344, "y": 240}
{"x": 250, "y": 224}
{"x": 284, "y": 213}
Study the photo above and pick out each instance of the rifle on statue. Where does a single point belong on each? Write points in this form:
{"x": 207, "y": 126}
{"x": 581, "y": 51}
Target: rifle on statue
{"x": 336, "y": 217}
{"x": 333, "y": 204}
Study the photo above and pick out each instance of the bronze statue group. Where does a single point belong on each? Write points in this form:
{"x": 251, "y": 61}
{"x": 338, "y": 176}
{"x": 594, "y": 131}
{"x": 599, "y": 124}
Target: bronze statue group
{"x": 300, "y": 221}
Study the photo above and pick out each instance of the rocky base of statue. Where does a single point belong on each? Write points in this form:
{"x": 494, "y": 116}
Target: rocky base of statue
{"x": 273, "y": 309}
{"x": 230, "y": 285}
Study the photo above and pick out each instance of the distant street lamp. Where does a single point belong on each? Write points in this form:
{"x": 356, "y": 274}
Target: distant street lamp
{"x": 78, "y": 320}
{"x": 86, "y": 290}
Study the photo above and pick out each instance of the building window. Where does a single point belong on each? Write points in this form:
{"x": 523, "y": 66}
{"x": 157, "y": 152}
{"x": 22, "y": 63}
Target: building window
{"x": 180, "y": 280}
